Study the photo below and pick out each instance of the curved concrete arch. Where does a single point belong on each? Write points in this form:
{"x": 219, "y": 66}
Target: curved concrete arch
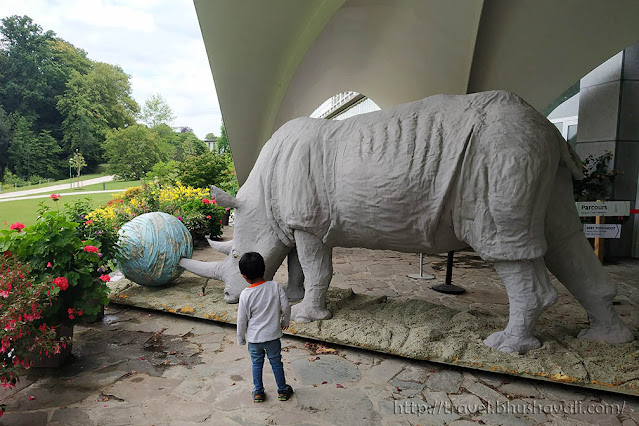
{"x": 277, "y": 60}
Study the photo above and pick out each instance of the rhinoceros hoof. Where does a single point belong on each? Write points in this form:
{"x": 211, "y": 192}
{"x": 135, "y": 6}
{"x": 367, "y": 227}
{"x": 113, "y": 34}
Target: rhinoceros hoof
{"x": 618, "y": 333}
{"x": 294, "y": 294}
{"x": 511, "y": 344}
{"x": 305, "y": 313}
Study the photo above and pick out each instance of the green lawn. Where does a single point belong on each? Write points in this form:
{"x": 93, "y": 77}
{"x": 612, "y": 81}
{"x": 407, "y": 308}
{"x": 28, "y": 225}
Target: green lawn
{"x": 25, "y": 211}
{"x": 11, "y": 188}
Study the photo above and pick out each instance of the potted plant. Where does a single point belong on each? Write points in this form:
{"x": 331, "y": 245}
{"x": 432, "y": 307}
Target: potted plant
{"x": 73, "y": 269}
{"x": 24, "y": 335}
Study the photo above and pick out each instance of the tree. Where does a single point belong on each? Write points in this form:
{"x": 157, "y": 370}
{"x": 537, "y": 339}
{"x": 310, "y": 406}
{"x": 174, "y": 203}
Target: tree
{"x": 191, "y": 145}
{"x": 156, "y": 111}
{"x": 35, "y": 70}
{"x": 27, "y": 77}
{"x": 93, "y": 104}
{"x": 77, "y": 162}
{"x": 132, "y": 151}
{"x": 5, "y": 140}
{"x": 29, "y": 152}
{"x": 222, "y": 143}
{"x": 209, "y": 169}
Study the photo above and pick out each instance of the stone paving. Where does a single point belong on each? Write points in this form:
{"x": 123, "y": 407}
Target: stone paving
{"x": 141, "y": 367}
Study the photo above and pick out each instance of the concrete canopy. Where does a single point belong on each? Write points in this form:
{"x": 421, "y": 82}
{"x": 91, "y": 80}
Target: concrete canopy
{"x": 276, "y": 60}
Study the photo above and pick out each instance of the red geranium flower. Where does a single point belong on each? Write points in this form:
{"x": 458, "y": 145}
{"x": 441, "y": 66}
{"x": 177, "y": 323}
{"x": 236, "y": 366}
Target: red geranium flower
{"x": 105, "y": 278}
{"x": 49, "y": 265}
{"x": 208, "y": 217}
{"x": 55, "y": 197}
{"x": 61, "y": 282}
{"x": 17, "y": 226}
{"x": 205, "y": 201}
{"x": 91, "y": 249}
{"x": 88, "y": 222}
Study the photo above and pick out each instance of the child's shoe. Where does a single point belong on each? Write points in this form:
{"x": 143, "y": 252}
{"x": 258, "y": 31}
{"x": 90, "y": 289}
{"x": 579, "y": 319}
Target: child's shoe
{"x": 286, "y": 394}
{"x": 258, "y": 397}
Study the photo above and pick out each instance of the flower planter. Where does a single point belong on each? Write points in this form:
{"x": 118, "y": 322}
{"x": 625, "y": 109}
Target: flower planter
{"x": 56, "y": 360}
{"x": 226, "y": 217}
{"x": 99, "y": 317}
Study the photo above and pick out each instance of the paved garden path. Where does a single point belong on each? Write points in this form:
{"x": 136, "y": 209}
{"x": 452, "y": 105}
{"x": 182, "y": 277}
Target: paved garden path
{"x": 139, "y": 367}
{"x": 63, "y": 195}
{"x": 54, "y": 188}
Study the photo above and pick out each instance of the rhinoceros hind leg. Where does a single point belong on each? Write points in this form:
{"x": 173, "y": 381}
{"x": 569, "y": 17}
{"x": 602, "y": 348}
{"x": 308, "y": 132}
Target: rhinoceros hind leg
{"x": 530, "y": 293}
{"x": 317, "y": 265}
{"x": 571, "y": 259}
{"x": 574, "y": 263}
{"x": 295, "y": 283}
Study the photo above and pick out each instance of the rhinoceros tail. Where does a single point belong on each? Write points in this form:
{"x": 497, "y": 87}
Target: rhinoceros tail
{"x": 571, "y": 159}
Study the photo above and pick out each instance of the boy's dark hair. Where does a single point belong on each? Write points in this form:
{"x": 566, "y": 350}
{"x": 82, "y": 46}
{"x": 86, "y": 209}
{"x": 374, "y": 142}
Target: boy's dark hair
{"x": 252, "y": 265}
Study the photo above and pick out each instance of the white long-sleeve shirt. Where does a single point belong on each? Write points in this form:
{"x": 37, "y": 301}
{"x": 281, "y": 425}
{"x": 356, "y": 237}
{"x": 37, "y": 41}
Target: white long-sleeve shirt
{"x": 262, "y": 311}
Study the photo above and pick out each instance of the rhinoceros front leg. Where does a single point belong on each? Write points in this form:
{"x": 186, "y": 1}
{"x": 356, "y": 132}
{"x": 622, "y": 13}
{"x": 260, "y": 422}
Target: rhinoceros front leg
{"x": 530, "y": 293}
{"x": 317, "y": 266}
{"x": 295, "y": 284}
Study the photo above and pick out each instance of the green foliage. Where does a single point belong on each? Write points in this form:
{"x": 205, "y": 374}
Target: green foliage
{"x": 23, "y": 335}
{"x": 164, "y": 173}
{"x": 29, "y": 153}
{"x": 191, "y": 145}
{"x": 93, "y": 104}
{"x": 156, "y": 111}
{"x": 67, "y": 101}
{"x": 202, "y": 218}
{"x": 209, "y": 169}
{"x": 222, "y": 143}
{"x": 5, "y": 140}
{"x": 31, "y": 75}
{"x": 54, "y": 248}
{"x": 598, "y": 179}
{"x": 11, "y": 179}
{"x": 132, "y": 151}
{"x": 200, "y": 215}
{"x": 77, "y": 162}
{"x": 96, "y": 230}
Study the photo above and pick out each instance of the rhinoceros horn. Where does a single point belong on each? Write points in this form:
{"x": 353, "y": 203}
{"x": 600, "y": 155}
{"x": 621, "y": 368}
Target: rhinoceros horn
{"x": 221, "y": 246}
{"x": 203, "y": 269}
{"x": 222, "y": 198}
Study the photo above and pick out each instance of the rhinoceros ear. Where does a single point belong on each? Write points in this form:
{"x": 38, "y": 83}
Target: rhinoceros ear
{"x": 222, "y": 198}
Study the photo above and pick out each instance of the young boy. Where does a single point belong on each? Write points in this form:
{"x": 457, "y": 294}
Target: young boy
{"x": 258, "y": 318}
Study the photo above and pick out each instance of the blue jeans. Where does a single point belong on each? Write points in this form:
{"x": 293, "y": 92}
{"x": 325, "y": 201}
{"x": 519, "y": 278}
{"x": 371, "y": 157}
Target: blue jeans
{"x": 273, "y": 350}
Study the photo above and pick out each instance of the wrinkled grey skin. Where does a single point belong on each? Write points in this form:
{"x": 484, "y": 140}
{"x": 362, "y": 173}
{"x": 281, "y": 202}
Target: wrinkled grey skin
{"x": 429, "y": 177}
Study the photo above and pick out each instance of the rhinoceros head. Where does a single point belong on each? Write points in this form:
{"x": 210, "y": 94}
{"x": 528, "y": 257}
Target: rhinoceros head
{"x": 252, "y": 232}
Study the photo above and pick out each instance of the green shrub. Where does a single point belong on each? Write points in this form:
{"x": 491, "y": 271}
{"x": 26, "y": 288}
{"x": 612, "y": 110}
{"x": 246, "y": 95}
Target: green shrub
{"x": 598, "y": 179}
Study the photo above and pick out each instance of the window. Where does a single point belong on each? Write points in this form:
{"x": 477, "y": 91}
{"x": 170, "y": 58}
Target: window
{"x": 568, "y": 128}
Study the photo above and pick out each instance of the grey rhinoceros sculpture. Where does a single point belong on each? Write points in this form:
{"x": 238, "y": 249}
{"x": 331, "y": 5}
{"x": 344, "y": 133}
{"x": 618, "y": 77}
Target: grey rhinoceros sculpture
{"x": 484, "y": 170}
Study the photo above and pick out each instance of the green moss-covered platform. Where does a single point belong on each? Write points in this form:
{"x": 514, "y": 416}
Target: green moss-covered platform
{"x": 418, "y": 329}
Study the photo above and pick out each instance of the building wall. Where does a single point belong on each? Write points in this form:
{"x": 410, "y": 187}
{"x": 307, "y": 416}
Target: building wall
{"x": 609, "y": 121}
